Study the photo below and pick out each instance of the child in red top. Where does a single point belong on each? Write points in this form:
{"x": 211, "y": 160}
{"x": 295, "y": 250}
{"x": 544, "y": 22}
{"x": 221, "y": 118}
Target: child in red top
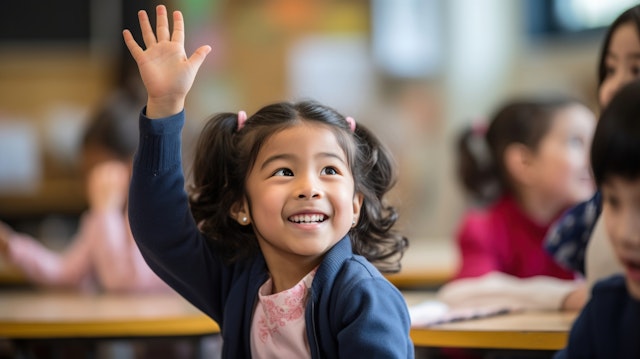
{"x": 528, "y": 168}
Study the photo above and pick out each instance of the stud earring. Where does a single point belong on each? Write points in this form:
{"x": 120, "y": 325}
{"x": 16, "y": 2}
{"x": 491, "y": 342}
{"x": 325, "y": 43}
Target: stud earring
{"x": 353, "y": 223}
{"x": 244, "y": 220}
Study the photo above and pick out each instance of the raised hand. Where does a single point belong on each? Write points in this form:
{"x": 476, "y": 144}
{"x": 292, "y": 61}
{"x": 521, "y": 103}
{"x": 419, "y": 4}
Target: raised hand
{"x": 166, "y": 71}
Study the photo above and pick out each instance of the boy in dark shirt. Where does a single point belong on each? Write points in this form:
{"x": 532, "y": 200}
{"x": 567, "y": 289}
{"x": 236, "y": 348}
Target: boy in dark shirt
{"x": 609, "y": 325}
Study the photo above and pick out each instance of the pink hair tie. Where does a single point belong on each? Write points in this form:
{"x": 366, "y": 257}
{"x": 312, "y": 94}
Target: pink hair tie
{"x": 479, "y": 126}
{"x": 242, "y": 118}
{"x": 352, "y": 123}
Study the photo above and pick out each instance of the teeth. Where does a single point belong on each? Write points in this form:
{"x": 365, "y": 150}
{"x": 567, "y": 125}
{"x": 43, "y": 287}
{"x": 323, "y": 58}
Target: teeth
{"x": 307, "y": 218}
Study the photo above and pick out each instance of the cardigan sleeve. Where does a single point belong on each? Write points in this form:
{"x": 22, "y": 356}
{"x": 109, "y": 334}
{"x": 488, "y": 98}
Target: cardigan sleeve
{"x": 373, "y": 315}
{"x": 161, "y": 221}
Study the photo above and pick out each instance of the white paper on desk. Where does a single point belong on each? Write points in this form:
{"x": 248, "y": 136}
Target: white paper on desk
{"x": 427, "y": 312}
{"x": 434, "y": 312}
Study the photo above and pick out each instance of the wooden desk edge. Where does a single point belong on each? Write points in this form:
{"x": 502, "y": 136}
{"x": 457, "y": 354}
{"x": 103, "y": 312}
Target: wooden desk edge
{"x": 195, "y": 325}
{"x": 547, "y": 340}
{"x": 418, "y": 278}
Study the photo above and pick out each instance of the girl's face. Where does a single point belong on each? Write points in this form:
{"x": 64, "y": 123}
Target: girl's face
{"x": 622, "y": 61}
{"x": 621, "y": 215}
{"x": 300, "y": 194}
{"x": 560, "y": 164}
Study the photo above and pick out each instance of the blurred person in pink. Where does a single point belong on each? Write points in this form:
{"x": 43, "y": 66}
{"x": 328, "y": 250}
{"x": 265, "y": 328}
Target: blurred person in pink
{"x": 102, "y": 256}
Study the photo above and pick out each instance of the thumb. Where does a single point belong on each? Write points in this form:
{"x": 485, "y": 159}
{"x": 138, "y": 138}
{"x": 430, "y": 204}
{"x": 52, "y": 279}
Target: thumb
{"x": 197, "y": 58}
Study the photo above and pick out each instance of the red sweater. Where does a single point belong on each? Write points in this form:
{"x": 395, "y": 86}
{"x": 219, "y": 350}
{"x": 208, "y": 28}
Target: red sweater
{"x": 503, "y": 238}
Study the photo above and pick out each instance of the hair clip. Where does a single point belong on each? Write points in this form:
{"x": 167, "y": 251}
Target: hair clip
{"x": 352, "y": 123}
{"x": 242, "y": 118}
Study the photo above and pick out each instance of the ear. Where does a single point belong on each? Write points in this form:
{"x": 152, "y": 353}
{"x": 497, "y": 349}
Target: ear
{"x": 518, "y": 160}
{"x": 358, "y": 198}
{"x": 240, "y": 212}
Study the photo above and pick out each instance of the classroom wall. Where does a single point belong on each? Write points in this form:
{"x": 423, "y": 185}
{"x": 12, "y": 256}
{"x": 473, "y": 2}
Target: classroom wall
{"x": 265, "y": 51}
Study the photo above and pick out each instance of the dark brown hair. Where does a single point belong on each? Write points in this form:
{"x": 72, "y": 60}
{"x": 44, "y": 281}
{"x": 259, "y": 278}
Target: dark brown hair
{"x": 481, "y": 167}
{"x": 615, "y": 150}
{"x": 631, "y": 15}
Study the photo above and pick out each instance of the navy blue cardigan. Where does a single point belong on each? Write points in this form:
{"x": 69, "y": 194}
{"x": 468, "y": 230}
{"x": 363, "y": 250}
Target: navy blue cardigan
{"x": 608, "y": 326}
{"x": 353, "y": 311}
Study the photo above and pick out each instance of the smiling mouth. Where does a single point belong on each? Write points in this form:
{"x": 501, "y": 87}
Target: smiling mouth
{"x": 307, "y": 218}
{"x": 632, "y": 265}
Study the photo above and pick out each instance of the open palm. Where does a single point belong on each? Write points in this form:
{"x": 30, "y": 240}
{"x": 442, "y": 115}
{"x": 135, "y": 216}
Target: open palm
{"x": 166, "y": 71}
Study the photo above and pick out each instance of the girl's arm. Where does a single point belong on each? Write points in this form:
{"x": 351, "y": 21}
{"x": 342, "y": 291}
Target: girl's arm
{"x": 162, "y": 223}
{"x": 497, "y": 289}
{"x": 69, "y": 269}
{"x": 159, "y": 213}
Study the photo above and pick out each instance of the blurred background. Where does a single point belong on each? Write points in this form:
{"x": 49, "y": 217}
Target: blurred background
{"x": 415, "y": 71}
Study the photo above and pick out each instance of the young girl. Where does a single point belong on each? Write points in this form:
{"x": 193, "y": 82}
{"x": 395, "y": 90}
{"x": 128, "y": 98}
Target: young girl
{"x": 608, "y": 326}
{"x": 280, "y": 203}
{"x": 103, "y": 255}
{"x": 530, "y": 165}
{"x": 580, "y": 232}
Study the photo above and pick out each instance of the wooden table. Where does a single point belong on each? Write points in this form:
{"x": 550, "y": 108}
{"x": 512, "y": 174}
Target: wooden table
{"x": 547, "y": 330}
{"x": 47, "y": 314}
{"x": 521, "y": 331}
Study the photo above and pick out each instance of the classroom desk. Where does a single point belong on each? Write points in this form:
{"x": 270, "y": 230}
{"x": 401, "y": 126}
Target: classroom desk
{"x": 523, "y": 331}
{"x": 547, "y": 330}
{"x": 33, "y": 314}
{"x": 427, "y": 263}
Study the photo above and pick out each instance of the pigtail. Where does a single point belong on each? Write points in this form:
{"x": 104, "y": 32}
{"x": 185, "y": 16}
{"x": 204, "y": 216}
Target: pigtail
{"x": 215, "y": 188}
{"x": 476, "y": 168}
{"x": 374, "y": 237}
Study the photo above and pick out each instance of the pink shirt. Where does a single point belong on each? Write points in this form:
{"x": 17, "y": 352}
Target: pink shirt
{"x": 502, "y": 238}
{"x": 278, "y": 329}
{"x": 102, "y": 256}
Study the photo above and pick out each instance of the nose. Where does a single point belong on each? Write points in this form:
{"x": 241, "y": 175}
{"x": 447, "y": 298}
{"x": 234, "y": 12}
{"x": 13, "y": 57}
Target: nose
{"x": 622, "y": 79}
{"x": 308, "y": 187}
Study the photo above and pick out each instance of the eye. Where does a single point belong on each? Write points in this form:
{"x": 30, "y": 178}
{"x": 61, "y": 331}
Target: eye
{"x": 611, "y": 201}
{"x": 283, "y": 172}
{"x": 635, "y": 70}
{"x": 329, "y": 171}
{"x": 609, "y": 70}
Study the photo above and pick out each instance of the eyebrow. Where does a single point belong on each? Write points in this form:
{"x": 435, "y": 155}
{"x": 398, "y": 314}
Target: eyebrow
{"x": 288, "y": 156}
{"x": 633, "y": 55}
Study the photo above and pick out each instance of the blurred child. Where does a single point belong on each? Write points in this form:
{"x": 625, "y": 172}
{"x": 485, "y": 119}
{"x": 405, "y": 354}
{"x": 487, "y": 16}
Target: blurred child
{"x": 102, "y": 256}
{"x": 609, "y": 325}
{"x": 284, "y": 215}
{"x": 579, "y": 236}
{"x": 529, "y": 166}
